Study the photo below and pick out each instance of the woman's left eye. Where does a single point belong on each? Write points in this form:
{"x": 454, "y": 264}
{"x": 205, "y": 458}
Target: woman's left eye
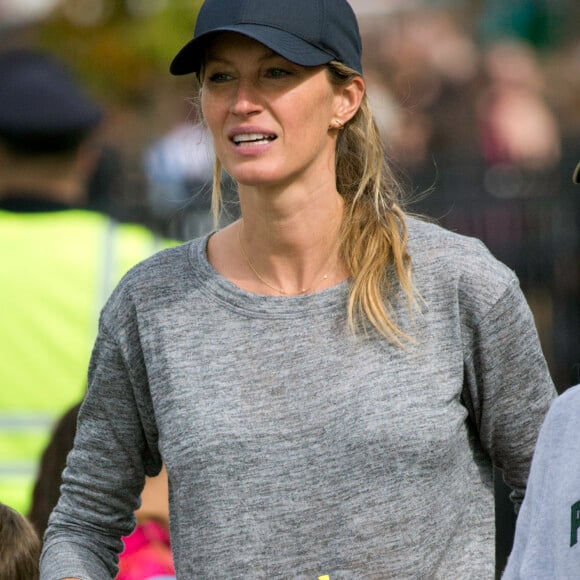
{"x": 278, "y": 73}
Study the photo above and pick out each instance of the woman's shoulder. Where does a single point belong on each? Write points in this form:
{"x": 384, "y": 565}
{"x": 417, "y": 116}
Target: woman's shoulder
{"x": 426, "y": 233}
{"x": 433, "y": 245}
{"x": 157, "y": 277}
{"x": 447, "y": 264}
{"x": 163, "y": 266}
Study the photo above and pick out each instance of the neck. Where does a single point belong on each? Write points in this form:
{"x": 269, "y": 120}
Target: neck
{"x": 59, "y": 178}
{"x": 62, "y": 191}
{"x": 292, "y": 219}
{"x": 295, "y": 253}
{"x": 318, "y": 279}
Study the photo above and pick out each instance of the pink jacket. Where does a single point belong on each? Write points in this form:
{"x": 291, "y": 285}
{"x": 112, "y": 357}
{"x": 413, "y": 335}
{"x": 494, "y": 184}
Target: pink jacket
{"x": 147, "y": 553}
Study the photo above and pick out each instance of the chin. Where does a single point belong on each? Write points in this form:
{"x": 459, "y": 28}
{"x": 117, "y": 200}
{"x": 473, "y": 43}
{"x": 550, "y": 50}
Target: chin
{"x": 257, "y": 177}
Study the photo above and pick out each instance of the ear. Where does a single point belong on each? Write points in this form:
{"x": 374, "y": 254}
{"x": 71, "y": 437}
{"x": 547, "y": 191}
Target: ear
{"x": 348, "y": 100}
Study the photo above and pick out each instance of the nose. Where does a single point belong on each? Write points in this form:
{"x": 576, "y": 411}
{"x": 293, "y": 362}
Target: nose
{"x": 246, "y": 99}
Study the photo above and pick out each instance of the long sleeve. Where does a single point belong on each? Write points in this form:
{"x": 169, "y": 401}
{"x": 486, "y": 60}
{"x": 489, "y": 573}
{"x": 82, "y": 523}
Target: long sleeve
{"x": 508, "y": 385}
{"x": 104, "y": 474}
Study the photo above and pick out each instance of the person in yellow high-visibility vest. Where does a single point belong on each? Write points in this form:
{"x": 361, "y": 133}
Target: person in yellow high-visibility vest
{"x": 58, "y": 261}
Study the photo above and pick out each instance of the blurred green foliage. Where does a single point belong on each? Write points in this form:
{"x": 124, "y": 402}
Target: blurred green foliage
{"x": 123, "y": 54}
{"x": 542, "y": 23}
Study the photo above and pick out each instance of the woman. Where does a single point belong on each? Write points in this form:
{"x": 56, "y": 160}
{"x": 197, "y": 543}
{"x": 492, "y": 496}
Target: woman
{"x": 327, "y": 380}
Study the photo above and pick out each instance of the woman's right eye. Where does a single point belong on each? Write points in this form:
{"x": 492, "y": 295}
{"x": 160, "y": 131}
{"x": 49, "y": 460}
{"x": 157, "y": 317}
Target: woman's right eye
{"x": 219, "y": 77}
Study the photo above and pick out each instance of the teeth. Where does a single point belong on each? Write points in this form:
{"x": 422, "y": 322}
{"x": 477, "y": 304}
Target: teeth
{"x": 252, "y": 138}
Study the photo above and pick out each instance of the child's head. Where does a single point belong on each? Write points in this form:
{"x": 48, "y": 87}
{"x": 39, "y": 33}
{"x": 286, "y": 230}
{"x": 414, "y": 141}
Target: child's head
{"x": 19, "y": 546}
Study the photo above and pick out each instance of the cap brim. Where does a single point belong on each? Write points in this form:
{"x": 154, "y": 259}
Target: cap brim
{"x": 576, "y": 176}
{"x": 296, "y": 50}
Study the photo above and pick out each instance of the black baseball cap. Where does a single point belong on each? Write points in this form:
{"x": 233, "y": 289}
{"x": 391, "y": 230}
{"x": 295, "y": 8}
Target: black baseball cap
{"x": 576, "y": 176}
{"x": 42, "y": 108}
{"x": 305, "y": 32}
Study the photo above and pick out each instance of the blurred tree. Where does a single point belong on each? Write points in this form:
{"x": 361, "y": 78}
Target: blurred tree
{"x": 119, "y": 47}
{"x": 542, "y": 23}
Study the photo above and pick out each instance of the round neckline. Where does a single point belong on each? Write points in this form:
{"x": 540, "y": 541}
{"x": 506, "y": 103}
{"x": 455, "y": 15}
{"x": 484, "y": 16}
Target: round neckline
{"x": 218, "y": 288}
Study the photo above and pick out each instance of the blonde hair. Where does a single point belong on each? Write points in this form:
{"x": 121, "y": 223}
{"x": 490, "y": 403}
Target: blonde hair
{"x": 374, "y": 231}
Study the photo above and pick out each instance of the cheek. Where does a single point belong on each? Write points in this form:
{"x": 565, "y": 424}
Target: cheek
{"x": 313, "y": 113}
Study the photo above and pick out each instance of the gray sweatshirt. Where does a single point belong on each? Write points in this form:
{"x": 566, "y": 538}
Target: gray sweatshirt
{"x": 295, "y": 449}
{"x": 547, "y": 540}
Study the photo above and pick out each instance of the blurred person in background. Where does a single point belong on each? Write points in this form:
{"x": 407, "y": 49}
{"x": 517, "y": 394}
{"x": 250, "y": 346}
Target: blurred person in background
{"x": 517, "y": 126}
{"x": 428, "y": 64}
{"x": 547, "y": 538}
{"x": 59, "y": 260}
{"x": 329, "y": 381}
{"x": 19, "y": 546}
{"x": 178, "y": 166}
{"x": 179, "y": 170}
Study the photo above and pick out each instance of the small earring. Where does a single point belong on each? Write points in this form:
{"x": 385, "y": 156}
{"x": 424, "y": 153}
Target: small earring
{"x": 336, "y": 124}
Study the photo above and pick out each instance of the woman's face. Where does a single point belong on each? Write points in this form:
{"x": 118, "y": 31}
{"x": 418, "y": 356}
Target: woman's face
{"x": 269, "y": 118}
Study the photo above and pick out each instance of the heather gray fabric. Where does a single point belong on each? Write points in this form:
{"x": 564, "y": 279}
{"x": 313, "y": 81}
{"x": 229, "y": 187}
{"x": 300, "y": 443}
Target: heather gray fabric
{"x": 547, "y": 540}
{"x": 293, "y": 448}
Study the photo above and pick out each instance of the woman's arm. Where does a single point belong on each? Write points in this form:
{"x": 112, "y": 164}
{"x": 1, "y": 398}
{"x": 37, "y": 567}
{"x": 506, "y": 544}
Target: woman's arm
{"x": 104, "y": 475}
{"x": 508, "y": 385}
